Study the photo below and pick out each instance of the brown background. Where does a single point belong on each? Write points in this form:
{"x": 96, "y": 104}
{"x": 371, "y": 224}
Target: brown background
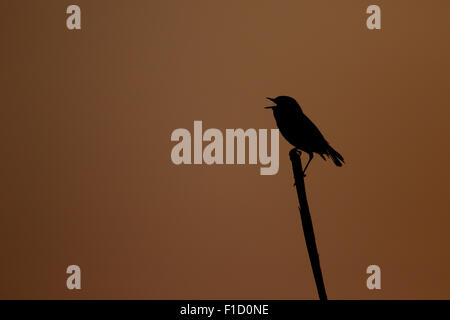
{"x": 86, "y": 175}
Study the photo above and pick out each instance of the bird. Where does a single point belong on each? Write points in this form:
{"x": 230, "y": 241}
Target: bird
{"x": 300, "y": 131}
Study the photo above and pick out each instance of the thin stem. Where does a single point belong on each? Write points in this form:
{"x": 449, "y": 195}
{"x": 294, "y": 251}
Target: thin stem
{"x": 305, "y": 216}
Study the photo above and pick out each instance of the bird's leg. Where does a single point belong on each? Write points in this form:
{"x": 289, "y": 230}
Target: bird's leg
{"x": 311, "y": 155}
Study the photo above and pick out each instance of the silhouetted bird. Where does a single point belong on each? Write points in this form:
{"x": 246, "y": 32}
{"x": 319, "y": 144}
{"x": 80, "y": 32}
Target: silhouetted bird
{"x": 299, "y": 131}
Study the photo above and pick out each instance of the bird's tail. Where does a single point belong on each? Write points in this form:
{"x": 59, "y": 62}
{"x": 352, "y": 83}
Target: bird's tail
{"x": 335, "y": 156}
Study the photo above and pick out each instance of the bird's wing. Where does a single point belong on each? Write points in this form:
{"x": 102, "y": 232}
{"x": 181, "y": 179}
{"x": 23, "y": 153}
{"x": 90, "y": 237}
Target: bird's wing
{"x": 312, "y": 130}
{"x": 316, "y": 141}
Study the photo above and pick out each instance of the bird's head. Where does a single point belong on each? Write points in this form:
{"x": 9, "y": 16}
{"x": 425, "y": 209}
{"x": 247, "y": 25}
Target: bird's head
{"x": 283, "y": 102}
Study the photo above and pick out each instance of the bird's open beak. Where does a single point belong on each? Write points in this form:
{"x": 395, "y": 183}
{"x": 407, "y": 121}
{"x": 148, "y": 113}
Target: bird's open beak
{"x": 271, "y": 107}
